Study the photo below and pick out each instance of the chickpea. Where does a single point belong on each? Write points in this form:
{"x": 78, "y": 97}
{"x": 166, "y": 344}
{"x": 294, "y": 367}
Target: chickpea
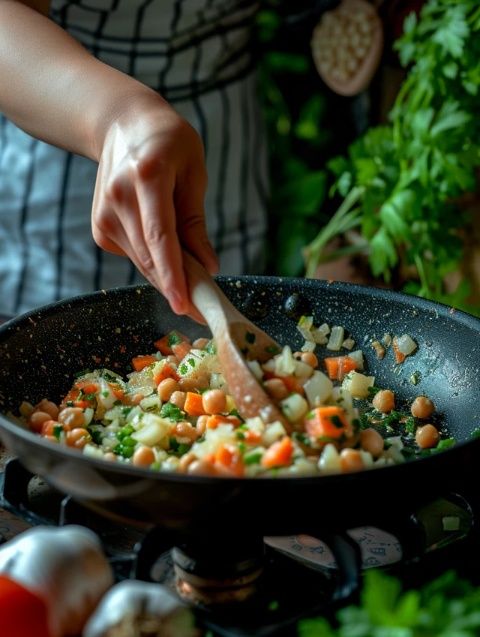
{"x": 201, "y": 468}
{"x": 178, "y": 399}
{"x": 77, "y": 437}
{"x": 309, "y": 358}
{"x": 143, "y": 457}
{"x": 276, "y": 388}
{"x": 48, "y": 427}
{"x": 37, "y": 419}
{"x": 427, "y": 436}
{"x": 214, "y": 401}
{"x": 26, "y": 409}
{"x": 166, "y": 387}
{"x": 186, "y": 460}
{"x": 422, "y": 407}
{"x": 185, "y": 430}
{"x": 200, "y": 343}
{"x": 350, "y": 461}
{"x": 48, "y": 407}
{"x": 201, "y": 426}
{"x": 72, "y": 417}
{"x": 384, "y": 401}
{"x": 371, "y": 441}
{"x": 110, "y": 456}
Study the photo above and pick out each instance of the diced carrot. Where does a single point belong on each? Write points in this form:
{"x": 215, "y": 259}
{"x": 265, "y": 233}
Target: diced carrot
{"x": 279, "y": 454}
{"x": 293, "y": 385}
{"x": 218, "y": 419}
{"x": 166, "y": 371}
{"x": 117, "y": 391}
{"x": 87, "y": 386}
{"x": 399, "y": 356}
{"x": 327, "y": 422}
{"x": 140, "y": 362}
{"x": 339, "y": 366}
{"x": 252, "y": 437}
{"x": 229, "y": 460}
{"x": 165, "y": 343}
{"x": 181, "y": 349}
{"x": 194, "y": 404}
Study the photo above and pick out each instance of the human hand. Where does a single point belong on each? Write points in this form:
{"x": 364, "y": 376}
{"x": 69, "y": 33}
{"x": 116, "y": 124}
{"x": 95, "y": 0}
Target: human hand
{"x": 149, "y": 196}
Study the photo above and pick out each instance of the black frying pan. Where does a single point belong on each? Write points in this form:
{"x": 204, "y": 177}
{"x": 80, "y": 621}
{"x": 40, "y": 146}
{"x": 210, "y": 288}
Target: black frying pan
{"x": 40, "y": 352}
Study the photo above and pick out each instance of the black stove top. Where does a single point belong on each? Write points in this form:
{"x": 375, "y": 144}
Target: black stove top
{"x": 290, "y": 577}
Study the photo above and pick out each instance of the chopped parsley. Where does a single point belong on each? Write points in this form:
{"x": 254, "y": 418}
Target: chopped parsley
{"x": 84, "y": 372}
{"x": 210, "y": 348}
{"x": 178, "y": 448}
{"x": 169, "y": 410}
{"x": 105, "y": 393}
{"x": 109, "y": 377}
{"x": 336, "y": 422}
{"x": 302, "y": 438}
{"x": 410, "y": 425}
{"x": 372, "y": 391}
{"x": 191, "y": 362}
{"x": 57, "y": 431}
{"x": 252, "y": 458}
{"x": 183, "y": 369}
{"x": 173, "y": 339}
{"x": 97, "y": 434}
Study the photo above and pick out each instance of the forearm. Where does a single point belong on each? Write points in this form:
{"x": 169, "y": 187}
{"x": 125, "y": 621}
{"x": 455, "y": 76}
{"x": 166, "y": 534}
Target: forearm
{"x": 54, "y": 89}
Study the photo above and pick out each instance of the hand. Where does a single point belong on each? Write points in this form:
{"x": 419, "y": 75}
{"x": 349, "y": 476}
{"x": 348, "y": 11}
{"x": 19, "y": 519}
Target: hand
{"x": 149, "y": 196}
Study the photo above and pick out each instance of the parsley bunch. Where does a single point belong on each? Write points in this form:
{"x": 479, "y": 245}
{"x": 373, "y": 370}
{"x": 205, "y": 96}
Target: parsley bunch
{"x": 446, "y": 607}
{"x": 400, "y": 182}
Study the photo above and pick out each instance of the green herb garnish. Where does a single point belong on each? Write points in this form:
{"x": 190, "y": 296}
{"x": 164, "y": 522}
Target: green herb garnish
{"x": 252, "y": 458}
{"x": 173, "y": 339}
{"x": 169, "y": 410}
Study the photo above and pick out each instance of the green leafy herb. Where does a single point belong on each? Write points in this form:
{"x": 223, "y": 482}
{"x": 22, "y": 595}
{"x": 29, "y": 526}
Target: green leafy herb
{"x": 191, "y": 362}
{"x": 169, "y": 410}
{"x": 57, "y": 431}
{"x": 210, "y": 348}
{"x": 272, "y": 349}
{"x": 401, "y": 183}
{"x": 446, "y": 607}
{"x": 178, "y": 448}
{"x": 173, "y": 339}
{"x": 96, "y": 432}
{"x": 183, "y": 369}
{"x": 253, "y": 458}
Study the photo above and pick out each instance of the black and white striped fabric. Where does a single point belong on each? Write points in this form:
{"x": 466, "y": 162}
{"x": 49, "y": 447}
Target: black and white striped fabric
{"x": 196, "y": 53}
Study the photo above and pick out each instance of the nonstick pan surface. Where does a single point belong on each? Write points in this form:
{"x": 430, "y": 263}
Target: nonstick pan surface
{"x": 41, "y": 351}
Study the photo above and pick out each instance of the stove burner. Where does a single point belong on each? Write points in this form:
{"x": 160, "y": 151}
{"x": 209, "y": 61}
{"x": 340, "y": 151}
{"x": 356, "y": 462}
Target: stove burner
{"x": 215, "y": 571}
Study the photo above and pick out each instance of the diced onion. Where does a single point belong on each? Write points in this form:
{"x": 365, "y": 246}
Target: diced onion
{"x": 304, "y": 326}
{"x": 308, "y": 346}
{"x": 405, "y": 344}
{"x": 348, "y": 343}
{"x": 357, "y": 356}
{"x": 336, "y": 338}
{"x": 318, "y": 388}
{"x": 255, "y": 369}
{"x": 285, "y": 363}
{"x": 153, "y": 430}
{"x": 294, "y": 407}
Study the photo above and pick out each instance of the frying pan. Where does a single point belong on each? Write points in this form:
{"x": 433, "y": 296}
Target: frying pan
{"x": 40, "y": 352}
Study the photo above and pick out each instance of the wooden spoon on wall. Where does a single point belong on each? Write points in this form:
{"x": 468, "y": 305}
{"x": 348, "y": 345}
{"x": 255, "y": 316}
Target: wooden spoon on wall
{"x": 347, "y": 46}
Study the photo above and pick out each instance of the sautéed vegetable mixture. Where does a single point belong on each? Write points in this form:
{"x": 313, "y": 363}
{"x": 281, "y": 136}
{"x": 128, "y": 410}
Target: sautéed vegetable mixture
{"x": 174, "y": 412}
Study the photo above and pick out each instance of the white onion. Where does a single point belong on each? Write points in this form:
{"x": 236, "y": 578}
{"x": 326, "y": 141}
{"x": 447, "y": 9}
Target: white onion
{"x": 405, "y": 344}
{"x": 336, "y": 338}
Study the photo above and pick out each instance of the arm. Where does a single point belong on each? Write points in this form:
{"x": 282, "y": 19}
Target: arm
{"x": 151, "y": 180}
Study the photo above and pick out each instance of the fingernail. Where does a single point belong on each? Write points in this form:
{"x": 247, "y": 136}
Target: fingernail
{"x": 178, "y": 302}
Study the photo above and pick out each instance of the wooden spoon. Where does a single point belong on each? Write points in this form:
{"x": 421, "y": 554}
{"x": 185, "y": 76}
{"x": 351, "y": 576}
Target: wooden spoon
{"x": 236, "y": 338}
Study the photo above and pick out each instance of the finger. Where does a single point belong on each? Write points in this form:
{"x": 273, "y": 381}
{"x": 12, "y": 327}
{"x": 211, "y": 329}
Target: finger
{"x": 104, "y": 237}
{"x": 192, "y": 230}
{"x": 157, "y": 213}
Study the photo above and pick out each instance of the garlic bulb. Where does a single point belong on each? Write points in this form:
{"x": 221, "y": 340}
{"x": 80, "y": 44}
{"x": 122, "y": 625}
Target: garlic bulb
{"x": 132, "y": 605}
{"x": 65, "y": 567}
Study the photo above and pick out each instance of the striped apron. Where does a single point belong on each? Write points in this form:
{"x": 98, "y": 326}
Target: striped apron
{"x": 198, "y": 55}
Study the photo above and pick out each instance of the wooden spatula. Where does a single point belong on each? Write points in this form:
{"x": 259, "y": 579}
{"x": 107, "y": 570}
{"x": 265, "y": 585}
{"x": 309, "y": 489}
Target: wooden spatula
{"x": 236, "y": 338}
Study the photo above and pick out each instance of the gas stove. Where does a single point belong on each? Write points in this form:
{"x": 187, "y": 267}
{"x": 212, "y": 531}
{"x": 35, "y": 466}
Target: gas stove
{"x": 249, "y": 586}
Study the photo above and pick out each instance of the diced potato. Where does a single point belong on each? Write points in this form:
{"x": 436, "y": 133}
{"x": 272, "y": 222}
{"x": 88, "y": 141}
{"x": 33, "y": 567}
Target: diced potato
{"x": 255, "y": 369}
{"x": 198, "y": 363}
{"x": 294, "y": 407}
{"x": 318, "y": 388}
{"x": 329, "y": 461}
{"x": 273, "y": 432}
{"x": 357, "y": 384}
